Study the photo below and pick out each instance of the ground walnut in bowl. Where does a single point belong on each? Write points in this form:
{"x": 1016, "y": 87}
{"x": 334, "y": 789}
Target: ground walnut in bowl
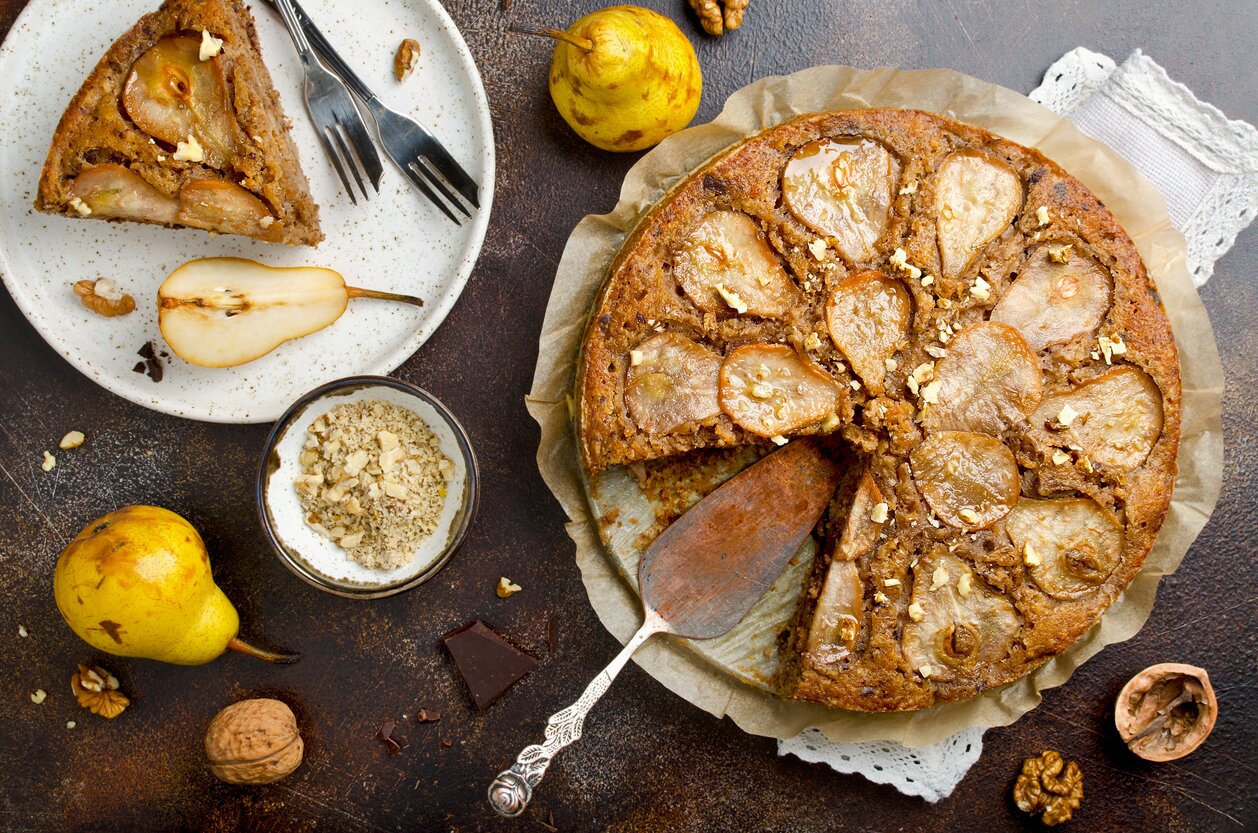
{"x": 367, "y": 486}
{"x": 373, "y": 480}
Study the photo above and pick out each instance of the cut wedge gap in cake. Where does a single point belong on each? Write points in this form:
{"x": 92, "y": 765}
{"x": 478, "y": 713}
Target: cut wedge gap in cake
{"x": 179, "y": 125}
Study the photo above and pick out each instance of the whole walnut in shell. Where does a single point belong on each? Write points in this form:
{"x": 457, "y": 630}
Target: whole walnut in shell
{"x": 254, "y": 742}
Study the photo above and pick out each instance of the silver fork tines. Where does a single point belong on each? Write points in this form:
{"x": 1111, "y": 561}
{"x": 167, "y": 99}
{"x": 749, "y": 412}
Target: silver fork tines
{"x": 339, "y": 124}
{"x": 413, "y": 148}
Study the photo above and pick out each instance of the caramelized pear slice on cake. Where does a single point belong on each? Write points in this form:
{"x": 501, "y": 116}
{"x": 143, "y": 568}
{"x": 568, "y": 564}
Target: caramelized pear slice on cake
{"x": 989, "y": 380}
{"x": 1070, "y": 545}
{"x": 770, "y": 390}
{"x": 113, "y": 192}
{"x": 226, "y": 311}
{"x": 843, "y": 189}
{"x": 172, "y": 94}
{"x": 1057, "y": 297}
{"x": 976, "y": 198}
{"x": 970, "y": 480}
{"x": 217, "y": 205}
{"x": 726, "y": 265}
{"x": 836, "y": 621}
{"x": 963, "y": 622}
{"x": 1115, "y": 418}
{"x": 672, "y": 381}
{"x": 868, "y": 316}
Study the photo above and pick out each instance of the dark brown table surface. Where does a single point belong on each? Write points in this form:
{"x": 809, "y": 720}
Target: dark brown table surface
{"x": 650, "y": 761}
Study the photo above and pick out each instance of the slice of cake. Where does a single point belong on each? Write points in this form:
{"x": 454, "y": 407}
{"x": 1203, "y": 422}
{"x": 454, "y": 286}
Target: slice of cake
{"x": 180, "y": 125}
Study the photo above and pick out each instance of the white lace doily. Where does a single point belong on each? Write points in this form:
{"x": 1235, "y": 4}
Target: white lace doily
{"x": 1207, "y": 168}
{"x": 931, "y": 772}
{"x": 1203, "y": 163}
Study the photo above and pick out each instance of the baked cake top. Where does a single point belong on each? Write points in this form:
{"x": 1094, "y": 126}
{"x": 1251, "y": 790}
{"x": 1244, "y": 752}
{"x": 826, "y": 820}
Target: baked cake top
{"x": 975, "y": 325}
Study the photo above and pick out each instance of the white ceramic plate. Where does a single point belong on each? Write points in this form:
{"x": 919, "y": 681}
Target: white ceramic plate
{"x": 397, "y": 241}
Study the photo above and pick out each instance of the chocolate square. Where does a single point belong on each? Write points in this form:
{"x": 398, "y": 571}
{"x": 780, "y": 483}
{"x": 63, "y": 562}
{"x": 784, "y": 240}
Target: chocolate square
{"x": 489, "y": 664}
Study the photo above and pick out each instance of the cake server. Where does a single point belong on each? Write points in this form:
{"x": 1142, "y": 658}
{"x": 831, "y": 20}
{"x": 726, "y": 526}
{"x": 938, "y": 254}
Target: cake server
{"x": 698, "y": 580}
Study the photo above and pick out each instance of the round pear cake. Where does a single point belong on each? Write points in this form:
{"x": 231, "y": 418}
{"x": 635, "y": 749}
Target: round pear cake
{"x": 981, "y": 338}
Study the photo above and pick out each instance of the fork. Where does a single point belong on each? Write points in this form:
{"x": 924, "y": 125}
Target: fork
{"x": 335, "y": 116}
{"x": 416, "y": 152}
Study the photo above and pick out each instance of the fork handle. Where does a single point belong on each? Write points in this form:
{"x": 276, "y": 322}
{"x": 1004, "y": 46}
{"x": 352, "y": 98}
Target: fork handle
{"x": 512, "y": 790}
{"x": 293, "y": 23}
{"x": 330, "y": 56}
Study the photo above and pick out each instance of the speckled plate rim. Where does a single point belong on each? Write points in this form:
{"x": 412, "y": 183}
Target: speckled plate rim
{"x": 267, "y": 465}
{"x": 434, "y": 312}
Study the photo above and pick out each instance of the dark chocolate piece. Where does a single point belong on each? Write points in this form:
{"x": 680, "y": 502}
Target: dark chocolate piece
{"x": 426, "y": 716}
{"x": 489, "y": 664}
{"x": 151, "y": 364}
{"x": 395, "y": 743}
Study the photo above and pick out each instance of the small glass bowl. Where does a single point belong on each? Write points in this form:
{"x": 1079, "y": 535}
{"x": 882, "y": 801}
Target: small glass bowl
{"x": 315, "y": 558}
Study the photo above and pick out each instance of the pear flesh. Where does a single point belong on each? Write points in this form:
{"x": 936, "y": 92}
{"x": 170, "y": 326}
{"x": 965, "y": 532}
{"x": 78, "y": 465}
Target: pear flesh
{"x": 137, "y": 583}
{"x": 223, "y": 311}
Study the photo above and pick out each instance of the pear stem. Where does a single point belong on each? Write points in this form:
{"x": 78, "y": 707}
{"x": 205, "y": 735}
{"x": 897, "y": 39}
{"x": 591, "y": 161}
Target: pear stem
{"x": 584, "y": 44}
{"x": 355, "y": 292}
{"x": 236, "y": 644}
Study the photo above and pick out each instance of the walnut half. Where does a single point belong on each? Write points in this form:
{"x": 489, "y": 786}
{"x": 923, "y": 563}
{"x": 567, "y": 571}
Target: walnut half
{"x": 103, "y": 297}
{"x": 97, "y": 690}
{"x": 720, "y": 16}
{"x": 1050, "y": 786}
{"x": 1166, "y": 711}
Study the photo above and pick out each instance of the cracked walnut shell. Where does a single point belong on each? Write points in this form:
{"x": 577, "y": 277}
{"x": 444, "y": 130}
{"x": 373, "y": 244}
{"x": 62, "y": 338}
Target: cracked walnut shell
{"x": 1049, "y": 786}
{"x": 1166, "y": 711}
{"x": 254, "y": 742}
{"x": 97, "y": 691}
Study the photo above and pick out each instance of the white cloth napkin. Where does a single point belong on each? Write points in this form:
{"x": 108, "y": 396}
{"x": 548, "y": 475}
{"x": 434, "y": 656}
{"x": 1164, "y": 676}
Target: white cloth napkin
{"x": 1207, "y": 168}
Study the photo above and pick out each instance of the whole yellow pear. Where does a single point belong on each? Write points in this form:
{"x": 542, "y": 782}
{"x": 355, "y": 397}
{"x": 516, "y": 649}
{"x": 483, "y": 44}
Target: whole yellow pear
{"x": 137, "y": 583}
{"x": 624, "y": 78}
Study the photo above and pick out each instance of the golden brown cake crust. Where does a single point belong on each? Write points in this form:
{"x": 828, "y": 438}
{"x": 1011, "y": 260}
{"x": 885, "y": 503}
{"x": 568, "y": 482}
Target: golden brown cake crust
{"x": 641, "y": 298}
{"x": 94, "y": 128}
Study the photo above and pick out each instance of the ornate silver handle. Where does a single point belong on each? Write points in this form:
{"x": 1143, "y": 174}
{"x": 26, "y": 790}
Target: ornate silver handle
{"x": 512, "y": 790}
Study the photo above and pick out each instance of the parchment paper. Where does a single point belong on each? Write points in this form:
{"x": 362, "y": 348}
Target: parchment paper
{"x": 1138, "y": 206}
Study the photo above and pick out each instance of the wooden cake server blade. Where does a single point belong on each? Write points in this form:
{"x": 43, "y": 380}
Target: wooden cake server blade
{"x": 699, "y": 578}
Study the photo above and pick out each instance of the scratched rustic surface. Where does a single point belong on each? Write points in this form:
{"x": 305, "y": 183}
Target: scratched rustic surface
{"x": 650, "y": 761}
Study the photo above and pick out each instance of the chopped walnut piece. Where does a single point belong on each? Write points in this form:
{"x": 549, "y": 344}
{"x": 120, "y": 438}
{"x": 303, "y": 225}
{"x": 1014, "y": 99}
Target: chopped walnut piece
{"x": 506, "y": 587}
{"x": 406, "y": 59}
{"x": 1049, "y": 786}
{"x": 97, "y": 690}
{"x": 38, "y": 696}
{"x": 104, "y": 298}
{"x": 49, "y": 463}
{"x": 73, "y": 439}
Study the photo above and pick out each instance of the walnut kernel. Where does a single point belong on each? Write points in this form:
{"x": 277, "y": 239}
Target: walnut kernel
{"x": 97, "y": 691}
{"x": 406, "y": 59}
{"x": 716, "y": 20}
{"x": 1049, "y": 786}
{"x": 506, "y": 587}
{"x": 104, "y": 298}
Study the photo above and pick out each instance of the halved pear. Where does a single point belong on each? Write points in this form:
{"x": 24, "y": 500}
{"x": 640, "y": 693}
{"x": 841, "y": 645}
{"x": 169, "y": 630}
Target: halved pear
{"x": 989, "y": 380}
{"x": 226, "y": 311}
{"x": 113, "y": 192}
{"x": 976, "y": 198}
{"x": 769, "y": 389}
{"x": 867, "y": 316}
{"x": 843, "y": 188}
{"x": 1073, "y": 543}
{"x": 1053, "y": 303}
{"x": 728, "y": 250}
{"x": 172, "y": 94}
{"x": 970, "y": 480}
{"x": 958, "y": 631}
{"x": 1117, "y": 417}
{"x": 674, "y": 382}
